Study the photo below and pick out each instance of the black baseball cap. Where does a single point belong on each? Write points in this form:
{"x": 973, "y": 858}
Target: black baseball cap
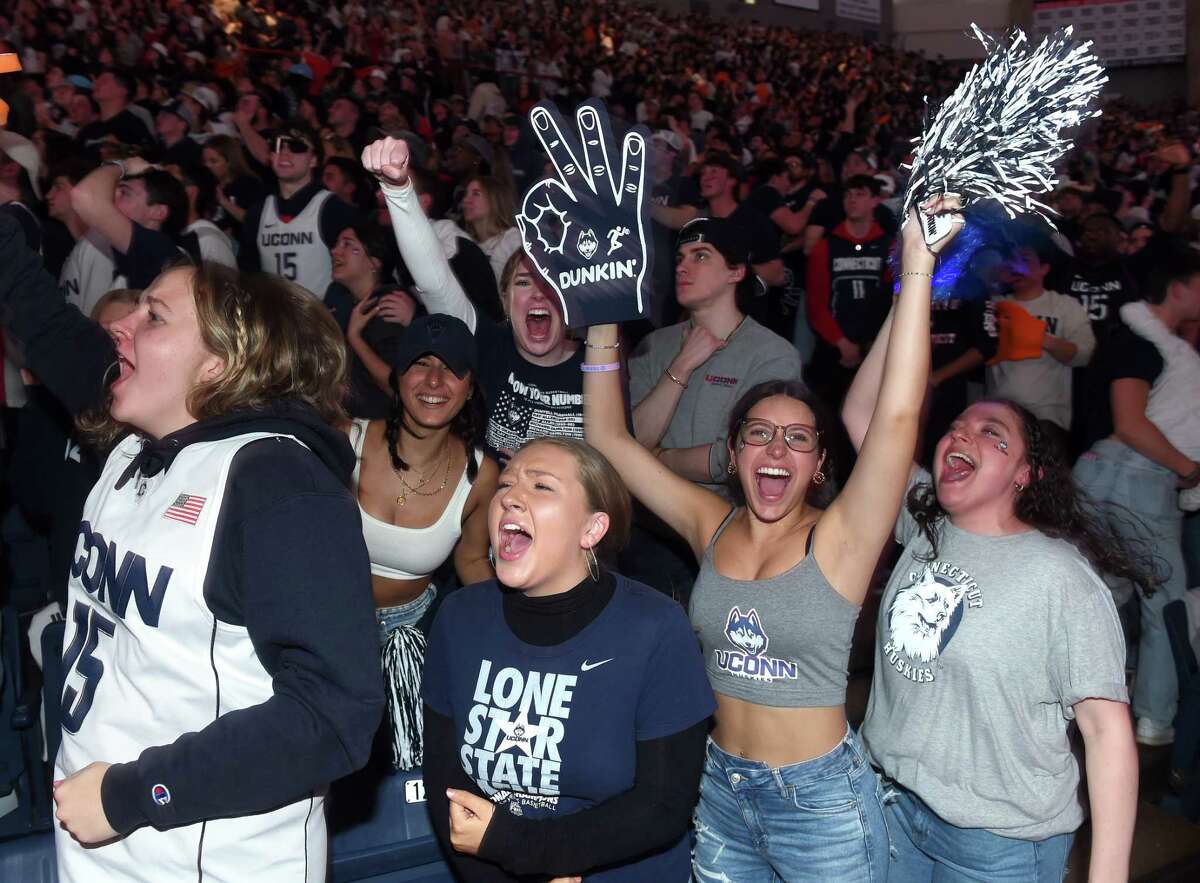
{"x": 446, "y": 337}
{"x": 721, "y": 233}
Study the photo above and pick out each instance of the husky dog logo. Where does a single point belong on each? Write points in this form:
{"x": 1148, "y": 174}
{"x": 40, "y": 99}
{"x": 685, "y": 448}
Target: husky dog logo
{"x": 745, "y": 631}
{"x": 925, "y": 614}
{"x": 587, "y": 243}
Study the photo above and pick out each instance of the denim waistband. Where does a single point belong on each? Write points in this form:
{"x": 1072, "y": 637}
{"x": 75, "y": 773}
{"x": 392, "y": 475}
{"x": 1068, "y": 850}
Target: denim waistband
{"x": 421, "y": 602}
{"x": 1113, "y": 451}
{"x": 844, "y": 756}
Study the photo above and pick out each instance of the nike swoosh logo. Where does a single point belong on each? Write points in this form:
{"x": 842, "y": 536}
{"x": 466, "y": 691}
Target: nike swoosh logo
{"x": 588, "y": 666}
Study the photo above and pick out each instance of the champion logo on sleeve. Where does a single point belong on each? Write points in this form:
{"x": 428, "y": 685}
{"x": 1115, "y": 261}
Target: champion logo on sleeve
{"x": 186, "y": 508}
{"x": 160, "y": 795}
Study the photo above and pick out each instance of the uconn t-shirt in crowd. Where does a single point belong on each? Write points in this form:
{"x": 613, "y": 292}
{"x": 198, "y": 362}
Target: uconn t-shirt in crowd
{"x": 548, "y": 731}
{"x": 526, "y": 401}
{"x": 1102, "y": 288}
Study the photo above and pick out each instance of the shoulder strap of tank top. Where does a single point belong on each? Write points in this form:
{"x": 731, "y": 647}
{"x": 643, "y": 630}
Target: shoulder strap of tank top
{"x": 721, "y": 529}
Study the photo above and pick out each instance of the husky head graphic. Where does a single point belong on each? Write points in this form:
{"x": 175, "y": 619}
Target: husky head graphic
{"x": 745, "y": 631}
{"x": 587, "y": 243}
{"x": 922, "y": 612}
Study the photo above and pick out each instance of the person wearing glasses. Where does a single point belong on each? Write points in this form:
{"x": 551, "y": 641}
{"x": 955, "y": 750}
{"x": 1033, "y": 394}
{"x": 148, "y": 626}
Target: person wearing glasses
{"x": 786, "y": 792}
{"x": 292, "y": 231}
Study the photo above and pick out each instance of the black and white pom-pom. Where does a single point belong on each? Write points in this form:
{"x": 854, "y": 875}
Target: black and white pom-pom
{"x": 403, "y": 660}
{"x": 999, "y": 134}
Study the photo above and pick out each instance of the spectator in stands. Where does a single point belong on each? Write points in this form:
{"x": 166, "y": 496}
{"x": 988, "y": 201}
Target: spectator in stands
{"x": 1040, "y": 381}
{"x": 529, "y": 369}
{"x": 113, "y": 92}
{"x": 1145, "y": 446}
{"x": 487, "y": 207}
{"x": 20, "y": 185}
{"x": 291, "y": 231}
{"x": 141, "y": 211}
{"x": 173, "y": 124}
{"x": 88, "y": 271}
{"x": 238, "y": 188}
{"x": 344, "y": 179}
{"x": 629, "y": 741}
{"x": 201, "y": 189}
{"x": 346, "y": 120}
{"x": 720, "y": 176}
{"x": 849, "y": 289}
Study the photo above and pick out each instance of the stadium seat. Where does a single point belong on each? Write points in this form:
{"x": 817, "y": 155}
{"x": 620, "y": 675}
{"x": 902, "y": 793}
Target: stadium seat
{"x": 24, "y": 792}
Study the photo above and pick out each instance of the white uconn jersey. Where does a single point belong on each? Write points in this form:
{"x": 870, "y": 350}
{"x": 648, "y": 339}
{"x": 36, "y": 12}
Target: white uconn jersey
{"x": 146, "y": 661}
{"x": 295, "y": 249}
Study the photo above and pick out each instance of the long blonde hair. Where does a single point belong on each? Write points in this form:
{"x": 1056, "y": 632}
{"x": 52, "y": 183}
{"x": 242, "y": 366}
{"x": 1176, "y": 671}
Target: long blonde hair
{"x": 276, "y": 340}
{"x": 501, "y": 208}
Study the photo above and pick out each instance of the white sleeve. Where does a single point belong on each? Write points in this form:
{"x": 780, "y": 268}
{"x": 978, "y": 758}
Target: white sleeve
{"x": 1077, "y": 329}
{"x": 437, "y": 286}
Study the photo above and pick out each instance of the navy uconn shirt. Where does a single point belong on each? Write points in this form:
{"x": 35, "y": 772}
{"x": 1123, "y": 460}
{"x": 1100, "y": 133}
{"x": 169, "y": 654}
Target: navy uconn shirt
{"x": 552, "y": 730}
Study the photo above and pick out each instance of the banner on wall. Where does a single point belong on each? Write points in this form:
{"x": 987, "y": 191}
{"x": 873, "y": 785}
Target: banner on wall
{"x": 860, "y": 10}
{"x": 813, "y": 5}
{"x": 1125, "y": 32}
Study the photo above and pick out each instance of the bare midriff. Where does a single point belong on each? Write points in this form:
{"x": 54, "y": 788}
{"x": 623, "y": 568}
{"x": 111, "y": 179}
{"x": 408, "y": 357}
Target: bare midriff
{"x": 777, "y": 736}
{"x": 395, "y": 592}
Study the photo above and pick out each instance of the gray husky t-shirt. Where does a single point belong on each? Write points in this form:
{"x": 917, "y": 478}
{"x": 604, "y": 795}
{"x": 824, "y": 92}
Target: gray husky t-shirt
{"x": 981, "y": 654}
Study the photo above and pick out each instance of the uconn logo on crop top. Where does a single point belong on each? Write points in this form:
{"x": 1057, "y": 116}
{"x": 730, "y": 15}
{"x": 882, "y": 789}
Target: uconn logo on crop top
{"x": 514, "y": 728}
{"x": 924, "y": 616}
{"x": 749, "y": 660}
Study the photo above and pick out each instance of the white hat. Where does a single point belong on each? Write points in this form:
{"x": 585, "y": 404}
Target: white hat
{"x": 24, "y": 153}
{"x": 377, "y": 72}
{"x": 204, "y": 96}
{"x": 669, "y": 138}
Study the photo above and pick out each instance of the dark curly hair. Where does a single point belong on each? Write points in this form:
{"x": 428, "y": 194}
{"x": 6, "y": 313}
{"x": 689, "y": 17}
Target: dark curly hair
{"x": 819, "y": 495}
{"x": 1054, "y": 505}
{"x": 467, "y": 425}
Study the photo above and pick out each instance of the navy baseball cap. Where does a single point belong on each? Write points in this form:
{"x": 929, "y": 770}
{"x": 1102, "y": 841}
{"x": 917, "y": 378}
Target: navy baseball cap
{"x": 446, "y": 337}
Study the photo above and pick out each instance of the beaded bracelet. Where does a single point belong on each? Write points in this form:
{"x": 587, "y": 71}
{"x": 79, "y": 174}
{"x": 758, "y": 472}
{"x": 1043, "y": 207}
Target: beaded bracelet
{"x": 599, "y": 369}
{"x": 607, "y": 346}
{"x": 926, "y": 275}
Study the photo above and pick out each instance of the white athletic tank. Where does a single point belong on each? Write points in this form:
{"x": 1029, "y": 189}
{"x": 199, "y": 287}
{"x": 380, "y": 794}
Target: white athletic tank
{"x": 295, "y": 250}
{"x": 146, "y": 660}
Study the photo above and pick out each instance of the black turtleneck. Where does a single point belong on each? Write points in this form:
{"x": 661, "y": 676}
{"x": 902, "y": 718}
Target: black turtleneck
{"x": 650, "y": 816}
{"x": 552, "y": 619}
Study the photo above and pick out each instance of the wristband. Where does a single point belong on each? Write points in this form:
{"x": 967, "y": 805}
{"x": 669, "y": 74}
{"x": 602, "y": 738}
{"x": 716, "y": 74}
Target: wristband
{"x": 599, "y": 369}
{"x": 675, "y": 379}
{"x": 116, "y": 162}
{"x": 597, "y": 346}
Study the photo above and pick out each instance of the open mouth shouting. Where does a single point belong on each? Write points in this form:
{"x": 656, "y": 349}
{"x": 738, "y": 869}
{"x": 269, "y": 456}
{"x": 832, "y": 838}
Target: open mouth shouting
{"x": 957, "y": 467}
{"x": 538, "y": 324}
{"x": 515, "y": 540}
{"x": 772, "y": 482}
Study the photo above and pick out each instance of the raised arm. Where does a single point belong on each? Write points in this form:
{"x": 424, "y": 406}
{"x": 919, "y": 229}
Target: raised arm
{"x": 93, "y": 200}
{"x": 853, "y": 530}
{"x": 65, "y": 350}
{"x": 436, "y": 285}
{"x": 691, "y": 511}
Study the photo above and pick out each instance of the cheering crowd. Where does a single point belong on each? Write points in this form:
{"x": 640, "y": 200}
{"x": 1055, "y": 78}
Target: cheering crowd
{"x": 335, "y": 464}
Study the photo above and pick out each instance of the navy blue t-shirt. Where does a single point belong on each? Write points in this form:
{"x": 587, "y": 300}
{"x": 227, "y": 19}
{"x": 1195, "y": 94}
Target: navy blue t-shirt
{"x": 552, "y": 730}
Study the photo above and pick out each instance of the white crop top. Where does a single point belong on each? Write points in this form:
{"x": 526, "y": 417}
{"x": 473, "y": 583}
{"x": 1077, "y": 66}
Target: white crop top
{"x": 410, "y": 552}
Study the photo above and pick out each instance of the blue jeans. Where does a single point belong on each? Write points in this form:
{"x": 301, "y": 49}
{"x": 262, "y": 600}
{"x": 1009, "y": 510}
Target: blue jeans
{"x": 926, "y": 849}
{"x": 1114, "y": 473}
{"x": 819, "y": 820}
{"x": 390, "y": 618}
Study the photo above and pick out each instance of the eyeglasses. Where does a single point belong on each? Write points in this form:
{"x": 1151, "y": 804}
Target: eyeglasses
{"x": 800, "y": 438}
{"x": 294, "y": 145}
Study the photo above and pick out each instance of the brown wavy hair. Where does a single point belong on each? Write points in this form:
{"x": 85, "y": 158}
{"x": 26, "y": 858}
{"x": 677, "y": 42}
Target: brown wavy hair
{"x": 276, "y": 340}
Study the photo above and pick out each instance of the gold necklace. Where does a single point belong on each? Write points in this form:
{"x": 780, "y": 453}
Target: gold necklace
{"x": 409, "y": 489}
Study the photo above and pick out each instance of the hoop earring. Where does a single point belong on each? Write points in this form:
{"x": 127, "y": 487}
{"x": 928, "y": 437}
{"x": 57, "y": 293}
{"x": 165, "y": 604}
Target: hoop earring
{"x": 1018, "y": 486}
{"x": 593, "y": 566}
{"x": 818, "y": 477}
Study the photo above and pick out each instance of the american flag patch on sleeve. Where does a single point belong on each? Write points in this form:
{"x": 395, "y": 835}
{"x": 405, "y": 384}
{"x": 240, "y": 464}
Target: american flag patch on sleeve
{"x": 186, "y": 508}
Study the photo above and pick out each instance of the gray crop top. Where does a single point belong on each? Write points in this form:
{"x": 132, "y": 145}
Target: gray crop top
{"x": 782, "y": 641}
